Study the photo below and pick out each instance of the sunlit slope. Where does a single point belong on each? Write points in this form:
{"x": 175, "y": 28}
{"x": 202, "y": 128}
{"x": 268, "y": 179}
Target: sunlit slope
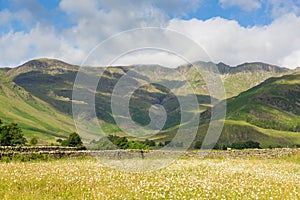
{"x": 274, "y": 104}
{"x": 43, "y": 90}
{"x": 35, "y": 117}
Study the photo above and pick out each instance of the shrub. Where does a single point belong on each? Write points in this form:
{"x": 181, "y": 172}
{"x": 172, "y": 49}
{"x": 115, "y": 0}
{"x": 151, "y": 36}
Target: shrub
{"x": 198, "y": 145}
{"x": 11, "y": 135}
{"x": 73, "y": 140}
{"x": 124, "y": 143}
{"x": 150, "y": 143}
{"x": 246, "y": 145}
{"x": 33, "y": 141}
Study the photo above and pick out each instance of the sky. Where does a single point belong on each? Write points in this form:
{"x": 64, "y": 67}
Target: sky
{"x": 230, "y": 31}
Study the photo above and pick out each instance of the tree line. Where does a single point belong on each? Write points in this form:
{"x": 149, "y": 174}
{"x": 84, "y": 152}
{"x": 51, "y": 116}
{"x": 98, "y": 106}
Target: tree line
{"x": 236, "y": 145}
{"x": 12, "y": 135}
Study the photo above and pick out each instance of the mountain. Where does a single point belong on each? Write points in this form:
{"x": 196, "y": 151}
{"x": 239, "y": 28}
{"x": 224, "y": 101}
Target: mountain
{"x": 273, "y": 104}
{"x": 245, "y": 76}
{"x": 236, "y": 79}
{"x": 38, "y": 118}
{"x": 44, "y": 88}
{"x": 268, "y": 113}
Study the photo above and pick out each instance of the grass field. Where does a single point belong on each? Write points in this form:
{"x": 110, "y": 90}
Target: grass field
{"x": 185, "y": 179}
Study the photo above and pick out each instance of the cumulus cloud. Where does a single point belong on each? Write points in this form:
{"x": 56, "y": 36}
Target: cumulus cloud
{"x": 94, "y": 21}
{"x": 5, "y": 17}
{"x": 98, "y": 20}
{"x": 23, "y": 16}
{"x": 227, "y": 41}
{"x": 18, "y": 47}
{"x": 280, "y": 8}
{"x": 246, "y": 5}
{"x": 150, "y": 57}
{"x": 293, "y": 59}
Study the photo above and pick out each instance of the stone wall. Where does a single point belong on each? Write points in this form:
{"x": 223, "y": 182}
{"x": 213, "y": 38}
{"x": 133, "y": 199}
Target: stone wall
{"x": 246, "y": 153}
{"x": 68, "y": 152}
{"x": 38, "y": 151}
{"x": 35, "y": 148}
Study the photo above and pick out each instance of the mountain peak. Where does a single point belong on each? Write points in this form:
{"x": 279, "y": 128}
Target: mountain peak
{"x": 44, "y": 63}
{"x": 262, "y": 66}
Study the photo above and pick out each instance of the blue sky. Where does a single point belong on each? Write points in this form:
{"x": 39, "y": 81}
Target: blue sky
{"x": 67, "y": 29}
{"x": 260, "y": 16}
{"x": 204, "y": 10}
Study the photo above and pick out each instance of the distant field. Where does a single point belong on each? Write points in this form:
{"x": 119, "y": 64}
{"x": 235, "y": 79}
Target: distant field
{"x": 190, "y": 178}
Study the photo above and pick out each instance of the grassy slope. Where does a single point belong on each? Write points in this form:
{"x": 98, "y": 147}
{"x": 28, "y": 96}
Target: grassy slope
{"x": 34, "y": 116}
{"x": 273, "y": 104}
{"x": 267, "y": 113}
{"x": 236, "y": 131}
{"x": 236, "y": 79}
{"x": 254, "y": 115}
{"x": 56, "y": 89}
{"x": 52, "y": 81}
{"x": 248, "y": 75}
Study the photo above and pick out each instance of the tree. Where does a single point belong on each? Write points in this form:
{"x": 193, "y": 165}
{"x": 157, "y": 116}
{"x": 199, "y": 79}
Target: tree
{"x": 33, "y": 141}
{"x": 11, "y": 135}
{"x": 59, "y": 140}
{"x": 246, "y": 145}
{"x": 198, "y": 144}
{"x": 217, "y": 146}
{"x": 73, "y": 140}
{"x": 160, "y": 144}
{"x": 124, "y": 143}
{"x": 121, "y": 142}
{"x": 150, "y": 143}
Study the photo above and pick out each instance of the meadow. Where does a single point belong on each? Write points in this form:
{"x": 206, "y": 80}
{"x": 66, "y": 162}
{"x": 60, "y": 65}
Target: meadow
{"x": 186, "y": 178}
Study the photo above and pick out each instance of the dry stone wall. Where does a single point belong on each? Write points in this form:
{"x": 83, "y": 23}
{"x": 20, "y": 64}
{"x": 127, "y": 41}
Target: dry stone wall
{"x": 68, "y": 152}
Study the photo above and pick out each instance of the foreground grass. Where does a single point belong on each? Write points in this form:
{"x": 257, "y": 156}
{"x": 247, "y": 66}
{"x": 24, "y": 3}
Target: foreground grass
{"x": 184, "y": 179}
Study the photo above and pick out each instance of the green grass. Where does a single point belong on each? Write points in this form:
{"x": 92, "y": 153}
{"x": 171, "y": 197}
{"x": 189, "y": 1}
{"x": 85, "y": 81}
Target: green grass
{"x": 47, "y": 114}
{"x": 34, "y": 116}
{"x": 185, "y": 179}
{"x": 271, "y": 105}
{"x": 235, "y": 131}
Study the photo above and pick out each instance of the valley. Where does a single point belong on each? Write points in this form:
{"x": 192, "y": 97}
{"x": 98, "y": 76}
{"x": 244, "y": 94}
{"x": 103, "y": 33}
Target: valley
{"x": 262, "y": 100}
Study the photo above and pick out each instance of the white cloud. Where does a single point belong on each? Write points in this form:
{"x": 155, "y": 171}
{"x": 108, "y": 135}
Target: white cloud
{"x": 18, "y": 47}
{"x": 150, "y": 57}
{"x": 292, "y": 59}
{"x": 98, "y": 20}
{"x": 227, "y": 41}
{"x": 5, "y": 17}
{"x": 280, "y": 8}
{"x": 94, "y": 21}
{"x": 246, "y": 5}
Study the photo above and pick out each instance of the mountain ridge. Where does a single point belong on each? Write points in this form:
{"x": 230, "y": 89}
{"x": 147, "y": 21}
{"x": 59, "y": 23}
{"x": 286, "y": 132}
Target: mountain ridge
{"x": 51, "y": 81}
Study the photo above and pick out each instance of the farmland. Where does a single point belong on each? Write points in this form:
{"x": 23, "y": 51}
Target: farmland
{"x": 186, "y": 178}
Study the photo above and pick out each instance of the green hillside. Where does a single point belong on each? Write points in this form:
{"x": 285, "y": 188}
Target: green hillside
{"x": 36, "y": 117}
{"x": 268, "y": 113}
{"x": 274, "y": 104}
{"x": 236, "y": 79}
{"x": 245, "y": 76}
{"x": 38, "y": 95}
{"x": 241, "y": 131}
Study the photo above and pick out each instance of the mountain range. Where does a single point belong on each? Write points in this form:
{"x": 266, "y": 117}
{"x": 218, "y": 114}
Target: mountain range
{"x": 263, "y": 101}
